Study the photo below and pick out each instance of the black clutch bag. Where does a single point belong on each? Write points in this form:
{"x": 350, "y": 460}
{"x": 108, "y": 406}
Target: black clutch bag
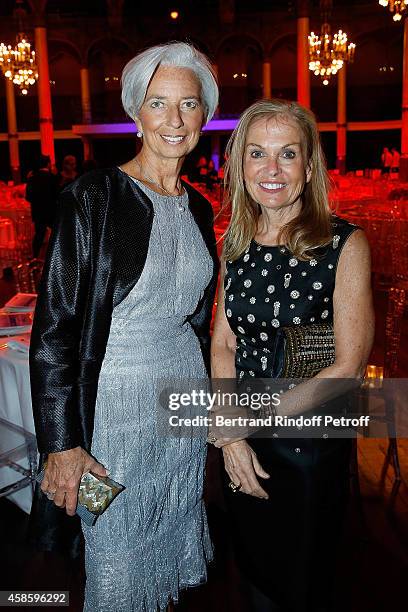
{"x": 302, "y": 351}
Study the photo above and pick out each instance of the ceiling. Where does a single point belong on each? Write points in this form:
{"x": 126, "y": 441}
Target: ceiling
{"x": 97, "y": 8}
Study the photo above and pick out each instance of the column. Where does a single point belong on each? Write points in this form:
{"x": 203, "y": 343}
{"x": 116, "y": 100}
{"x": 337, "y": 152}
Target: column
{"x": 266, "y": 80}
{"x": 341, "y": 120}
{"x": 12, "y": 132}
{"x": 215, "y": 138}
{"x": 44, "y": 93}
{"x": 404, "y": 128}
{"x": 85, "y": 96}
{"x": 88, "y": 147}
{"x": 303, "y": 72}
{"x": 215, "y": 150}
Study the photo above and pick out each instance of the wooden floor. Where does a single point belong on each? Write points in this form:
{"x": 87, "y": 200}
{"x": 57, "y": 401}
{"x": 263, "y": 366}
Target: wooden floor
{"x": 373, "y": 570}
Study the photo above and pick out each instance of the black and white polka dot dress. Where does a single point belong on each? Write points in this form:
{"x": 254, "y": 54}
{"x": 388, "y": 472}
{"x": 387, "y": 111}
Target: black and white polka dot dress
{"x": 267, "y": 288}
{"x": 286, "y": 545}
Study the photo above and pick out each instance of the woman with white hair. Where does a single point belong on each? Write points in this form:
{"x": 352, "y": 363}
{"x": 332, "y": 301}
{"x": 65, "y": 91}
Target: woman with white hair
{"x": 125, "y": 300}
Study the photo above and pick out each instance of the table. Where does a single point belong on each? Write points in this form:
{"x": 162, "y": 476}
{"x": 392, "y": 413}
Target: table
{"x": 15, "y": 407}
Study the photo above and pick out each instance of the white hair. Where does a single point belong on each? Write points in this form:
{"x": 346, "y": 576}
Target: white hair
{"x": 137, "y": 74}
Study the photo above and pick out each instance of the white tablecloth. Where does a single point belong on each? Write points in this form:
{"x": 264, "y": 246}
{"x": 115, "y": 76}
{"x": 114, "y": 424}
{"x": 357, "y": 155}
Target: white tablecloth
{"x": 15, "y": 407}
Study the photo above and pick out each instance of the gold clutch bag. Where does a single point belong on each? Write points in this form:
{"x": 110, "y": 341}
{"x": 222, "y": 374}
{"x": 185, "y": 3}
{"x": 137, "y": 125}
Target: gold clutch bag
{"x": 304, "y": 350}
{"x": 94, "y": 495}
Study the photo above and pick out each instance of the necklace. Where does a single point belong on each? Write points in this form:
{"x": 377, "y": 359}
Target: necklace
{"x": 168, "y": 194}
{"x": 150, "y": 180}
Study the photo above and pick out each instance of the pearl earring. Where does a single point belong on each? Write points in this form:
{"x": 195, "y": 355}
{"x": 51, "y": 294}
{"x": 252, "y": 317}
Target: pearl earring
{"x": 139, "y": 134}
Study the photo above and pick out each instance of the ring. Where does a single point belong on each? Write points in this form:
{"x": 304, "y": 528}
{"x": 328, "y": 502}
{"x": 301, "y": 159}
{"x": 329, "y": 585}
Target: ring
{"x": 234, "y": 487}
{"x": 50, "y": 495}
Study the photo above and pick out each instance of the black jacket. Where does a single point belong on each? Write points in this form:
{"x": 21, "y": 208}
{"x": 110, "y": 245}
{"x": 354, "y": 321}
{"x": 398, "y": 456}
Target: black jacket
{"x": 96, "y": 254}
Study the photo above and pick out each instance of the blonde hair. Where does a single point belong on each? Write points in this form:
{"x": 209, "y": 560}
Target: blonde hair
{"x": 312, "y": 228}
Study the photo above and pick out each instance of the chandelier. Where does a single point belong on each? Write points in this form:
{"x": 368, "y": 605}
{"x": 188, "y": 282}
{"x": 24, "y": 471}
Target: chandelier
{"x": 396, "y": 6}
{"x": 18, "y": 63}
{"x": 327, "y": 52}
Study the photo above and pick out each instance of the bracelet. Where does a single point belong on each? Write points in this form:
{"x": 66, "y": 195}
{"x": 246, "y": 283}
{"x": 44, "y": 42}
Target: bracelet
{"x": 267, "y": 411}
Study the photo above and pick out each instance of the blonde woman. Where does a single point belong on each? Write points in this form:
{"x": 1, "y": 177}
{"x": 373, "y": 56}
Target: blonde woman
{"x": 287, "y": 262}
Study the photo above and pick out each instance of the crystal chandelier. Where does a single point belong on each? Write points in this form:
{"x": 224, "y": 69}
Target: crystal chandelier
{"x": 327, "y": 52}
{"x": 396, "y": 6}
{"x": 18, "y": 63}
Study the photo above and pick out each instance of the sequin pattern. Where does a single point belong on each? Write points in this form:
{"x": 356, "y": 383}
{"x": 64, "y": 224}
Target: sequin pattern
{"x": 301, "y": 292}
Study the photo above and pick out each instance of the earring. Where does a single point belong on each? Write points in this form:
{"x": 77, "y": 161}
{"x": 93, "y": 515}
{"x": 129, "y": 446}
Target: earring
{"x": 139, "y": 134}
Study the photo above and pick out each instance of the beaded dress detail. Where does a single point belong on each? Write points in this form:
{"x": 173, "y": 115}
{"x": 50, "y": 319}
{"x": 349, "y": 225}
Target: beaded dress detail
{"x": 267, "y": 288}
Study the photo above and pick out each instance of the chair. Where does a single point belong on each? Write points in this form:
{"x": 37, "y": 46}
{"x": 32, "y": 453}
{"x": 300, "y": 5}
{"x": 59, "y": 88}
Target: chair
{"x": 387, "y": 233}
{"x": 7, "y": 233}
{"x": 399, "y": 254}
{"x": 35, "y": 272}
{"x": 396, "y": 301}
{"x": 18, "y": 451}
{"x": 395, "y": 283}
{"x": 21, "y": 277}
{"x": 395, "y": 312}
{"x": 27, "y": 276}
{"x": 393, "y": 328}
{"x": 24, "y": 232}
{"x": 10, "y": 257}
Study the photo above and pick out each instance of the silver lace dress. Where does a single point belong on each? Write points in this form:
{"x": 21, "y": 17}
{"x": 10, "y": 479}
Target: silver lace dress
{"x": 153, "y": 540}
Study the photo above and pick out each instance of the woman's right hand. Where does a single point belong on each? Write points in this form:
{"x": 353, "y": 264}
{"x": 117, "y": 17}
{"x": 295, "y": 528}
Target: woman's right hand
{"x": 243, "y": 467}
{"x": 63, "y": 474}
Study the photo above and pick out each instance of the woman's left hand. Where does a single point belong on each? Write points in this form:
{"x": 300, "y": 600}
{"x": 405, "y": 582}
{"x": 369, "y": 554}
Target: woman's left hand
{"x": 243, "y": 467}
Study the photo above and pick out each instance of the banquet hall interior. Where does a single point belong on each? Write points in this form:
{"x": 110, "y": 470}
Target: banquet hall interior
{"x": 60, "y": 68}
